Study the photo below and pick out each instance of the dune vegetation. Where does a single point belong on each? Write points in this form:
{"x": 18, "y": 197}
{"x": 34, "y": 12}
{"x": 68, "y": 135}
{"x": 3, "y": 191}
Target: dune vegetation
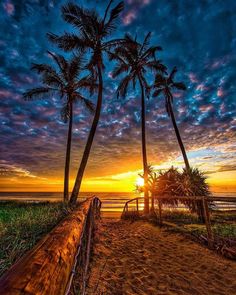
{"x": 22, "y": 225}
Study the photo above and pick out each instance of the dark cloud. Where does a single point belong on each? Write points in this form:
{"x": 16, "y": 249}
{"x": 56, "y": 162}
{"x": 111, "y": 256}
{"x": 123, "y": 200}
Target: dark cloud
{"x": 197, "y": 36}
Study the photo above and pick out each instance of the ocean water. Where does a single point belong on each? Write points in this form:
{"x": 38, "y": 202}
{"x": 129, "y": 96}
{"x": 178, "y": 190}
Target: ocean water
{"x": 112, "y": 203}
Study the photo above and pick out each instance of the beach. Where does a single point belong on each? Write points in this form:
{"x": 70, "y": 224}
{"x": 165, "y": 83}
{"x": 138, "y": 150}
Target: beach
{"x": 140, "y": 258}
{"x": 112, "y": 203}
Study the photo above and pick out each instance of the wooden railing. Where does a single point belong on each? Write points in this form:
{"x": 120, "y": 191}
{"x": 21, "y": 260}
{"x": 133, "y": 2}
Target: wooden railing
{"x": 58, "y": 264}
{"x": 134, "y": 208}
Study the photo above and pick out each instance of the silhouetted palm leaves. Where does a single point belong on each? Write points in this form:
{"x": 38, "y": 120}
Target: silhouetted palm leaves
{"x": 65, "y": 82}
{"x": 190, "y": 183}
{"x": 134, "y": 61}
{"x": 92, "y": 32}
{"x": 164, "y": 85}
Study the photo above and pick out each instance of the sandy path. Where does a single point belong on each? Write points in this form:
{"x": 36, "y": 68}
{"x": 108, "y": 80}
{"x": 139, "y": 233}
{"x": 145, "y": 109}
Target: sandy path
{"x": 139, "y": 258}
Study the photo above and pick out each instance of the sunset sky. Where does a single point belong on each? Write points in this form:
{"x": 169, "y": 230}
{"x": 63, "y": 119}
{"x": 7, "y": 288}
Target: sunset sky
{"x": 197, "y": 36}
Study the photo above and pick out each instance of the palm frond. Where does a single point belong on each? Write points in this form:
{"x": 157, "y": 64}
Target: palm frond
{"x": 145, "y": 43}
{"x": 43, "y": 68}
{"x": 87, "y": 83}
{"x": 76, "y": 64}
{"x": 172, "y": 74}
{"x": 114, "y": 43}
{"x": 86, "y": 102}
{"x": 111, "y": 23}
{"x": 38, "y": 93}
{"x": 69, "y": 42}
{"x": 151, "y": 52}
{"x": 179, "y": 85}
{"x": 120, "y": 69}
{"x": 157, "y": 92}
{"x": 62, "y": 63}
{"x": 52, "y": 81}
{"x": 65, "y": 112}
{"x": 123, "y": 86}
{"x": 73, "y": 14}
{"x": 160, "y": 80}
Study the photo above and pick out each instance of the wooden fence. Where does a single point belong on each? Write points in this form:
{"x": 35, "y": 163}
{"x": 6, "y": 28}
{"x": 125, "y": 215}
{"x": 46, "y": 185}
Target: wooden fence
{"x": 50, "y": 267}
{"x": 134, "y": 208}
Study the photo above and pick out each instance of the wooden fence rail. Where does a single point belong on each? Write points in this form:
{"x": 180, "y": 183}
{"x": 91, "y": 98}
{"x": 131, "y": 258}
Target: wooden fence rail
{"x": 49, "y": 268}
{"x": 136, "y": 206}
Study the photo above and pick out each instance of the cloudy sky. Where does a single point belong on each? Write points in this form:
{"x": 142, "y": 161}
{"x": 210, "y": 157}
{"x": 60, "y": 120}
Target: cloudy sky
{"x": 197, "y": 36}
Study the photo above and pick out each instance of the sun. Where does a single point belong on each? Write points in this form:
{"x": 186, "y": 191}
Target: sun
{"x": 140, "y": 181}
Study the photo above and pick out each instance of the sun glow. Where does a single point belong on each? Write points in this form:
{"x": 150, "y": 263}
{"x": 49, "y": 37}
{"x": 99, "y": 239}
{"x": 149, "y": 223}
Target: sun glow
{"x": 140, "y": 181}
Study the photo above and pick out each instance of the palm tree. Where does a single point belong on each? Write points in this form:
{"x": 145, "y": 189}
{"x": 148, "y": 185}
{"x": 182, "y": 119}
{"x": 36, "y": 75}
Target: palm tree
{"x": 151, "y": 184}
{"x": 64, "y": 81}
{"x": 93, "y": 32}
{"x": 133, "y": 61}
{"x": 164, "y": 85}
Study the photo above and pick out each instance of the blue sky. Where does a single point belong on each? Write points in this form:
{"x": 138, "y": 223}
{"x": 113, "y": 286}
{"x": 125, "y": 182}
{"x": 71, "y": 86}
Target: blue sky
{"x": 198, "y": 36}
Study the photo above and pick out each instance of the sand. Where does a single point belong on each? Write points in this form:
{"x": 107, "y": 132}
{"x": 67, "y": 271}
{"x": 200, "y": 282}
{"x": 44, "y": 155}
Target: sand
{"x": 140, "y": 258}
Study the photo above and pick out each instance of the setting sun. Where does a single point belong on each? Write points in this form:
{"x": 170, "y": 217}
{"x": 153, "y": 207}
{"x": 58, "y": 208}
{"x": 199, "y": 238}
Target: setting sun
{"x": 140, "y": 181}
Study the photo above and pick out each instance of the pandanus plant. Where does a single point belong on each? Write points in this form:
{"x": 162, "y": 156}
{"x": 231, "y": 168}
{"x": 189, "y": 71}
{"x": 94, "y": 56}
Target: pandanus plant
{"x": 135, "y": 61}
{"x": 164, "y": 85}
{"x": 66, "y": 82}
{"x": 92, "y": 36}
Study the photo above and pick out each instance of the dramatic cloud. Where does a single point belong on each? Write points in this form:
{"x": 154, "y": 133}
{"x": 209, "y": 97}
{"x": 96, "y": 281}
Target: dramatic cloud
{"x": 199, "y": 37}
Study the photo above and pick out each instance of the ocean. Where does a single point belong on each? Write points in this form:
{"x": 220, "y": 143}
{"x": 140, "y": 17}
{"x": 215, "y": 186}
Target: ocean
{"x": 112, "y": 203}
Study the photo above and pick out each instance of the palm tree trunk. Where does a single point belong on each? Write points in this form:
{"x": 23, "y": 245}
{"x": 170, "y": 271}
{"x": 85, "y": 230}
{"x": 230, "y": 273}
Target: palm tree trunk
{"x": 89, "y": 143}
{"x": 68, "y": 150}
{"x": 178, "y": 136}
{"x": 198, "y": 204}
{"x": 144, "y": 150}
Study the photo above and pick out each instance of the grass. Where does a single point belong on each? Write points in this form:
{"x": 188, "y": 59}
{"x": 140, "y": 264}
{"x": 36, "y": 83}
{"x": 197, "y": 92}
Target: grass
{"x": 223, "y": 223}
{"x": 22, "y": 225}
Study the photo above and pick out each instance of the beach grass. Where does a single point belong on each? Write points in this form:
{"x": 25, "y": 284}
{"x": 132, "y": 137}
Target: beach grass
{"x": 22, "y": 225}
{"x": 223, "y": 223}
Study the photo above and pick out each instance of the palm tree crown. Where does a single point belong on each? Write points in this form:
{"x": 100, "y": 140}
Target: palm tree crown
{"x": 165, "y": 85}
{"x": 92, "y": 32}
{"x": 63, "y": 81}
{"x": 134, "y": 60}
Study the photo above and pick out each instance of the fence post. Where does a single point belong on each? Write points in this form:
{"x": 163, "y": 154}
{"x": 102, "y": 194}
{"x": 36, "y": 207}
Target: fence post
{"x": 160, "y": 211}
{"x": 208, "y": 223}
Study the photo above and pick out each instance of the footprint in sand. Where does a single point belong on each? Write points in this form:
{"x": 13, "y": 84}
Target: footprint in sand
{"x": 139, "y": 258}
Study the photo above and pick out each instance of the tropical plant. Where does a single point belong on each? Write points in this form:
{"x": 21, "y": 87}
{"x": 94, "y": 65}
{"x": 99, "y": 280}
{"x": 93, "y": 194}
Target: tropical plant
{"x": 134, "y": 61}
{"x": 164, "y": 85}
{"x": 151, "y": 184}
{"x": 193, "y": 183}
{"x": 92, "y": 36}
{"x": 64, "y": 81}
{"x": 189, "y": 183}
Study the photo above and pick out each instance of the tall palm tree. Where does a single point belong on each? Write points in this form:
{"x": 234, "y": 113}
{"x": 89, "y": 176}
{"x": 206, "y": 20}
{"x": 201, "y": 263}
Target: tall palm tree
{"x": 92, "y": 36}
{"x": 134, "y": 61}
{"x": 64, "y": 81}
{"x": 164, "y": 85}
{"x": 151, "y": 184}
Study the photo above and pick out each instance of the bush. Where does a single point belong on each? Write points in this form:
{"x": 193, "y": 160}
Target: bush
{"x": 189, "y": 183}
